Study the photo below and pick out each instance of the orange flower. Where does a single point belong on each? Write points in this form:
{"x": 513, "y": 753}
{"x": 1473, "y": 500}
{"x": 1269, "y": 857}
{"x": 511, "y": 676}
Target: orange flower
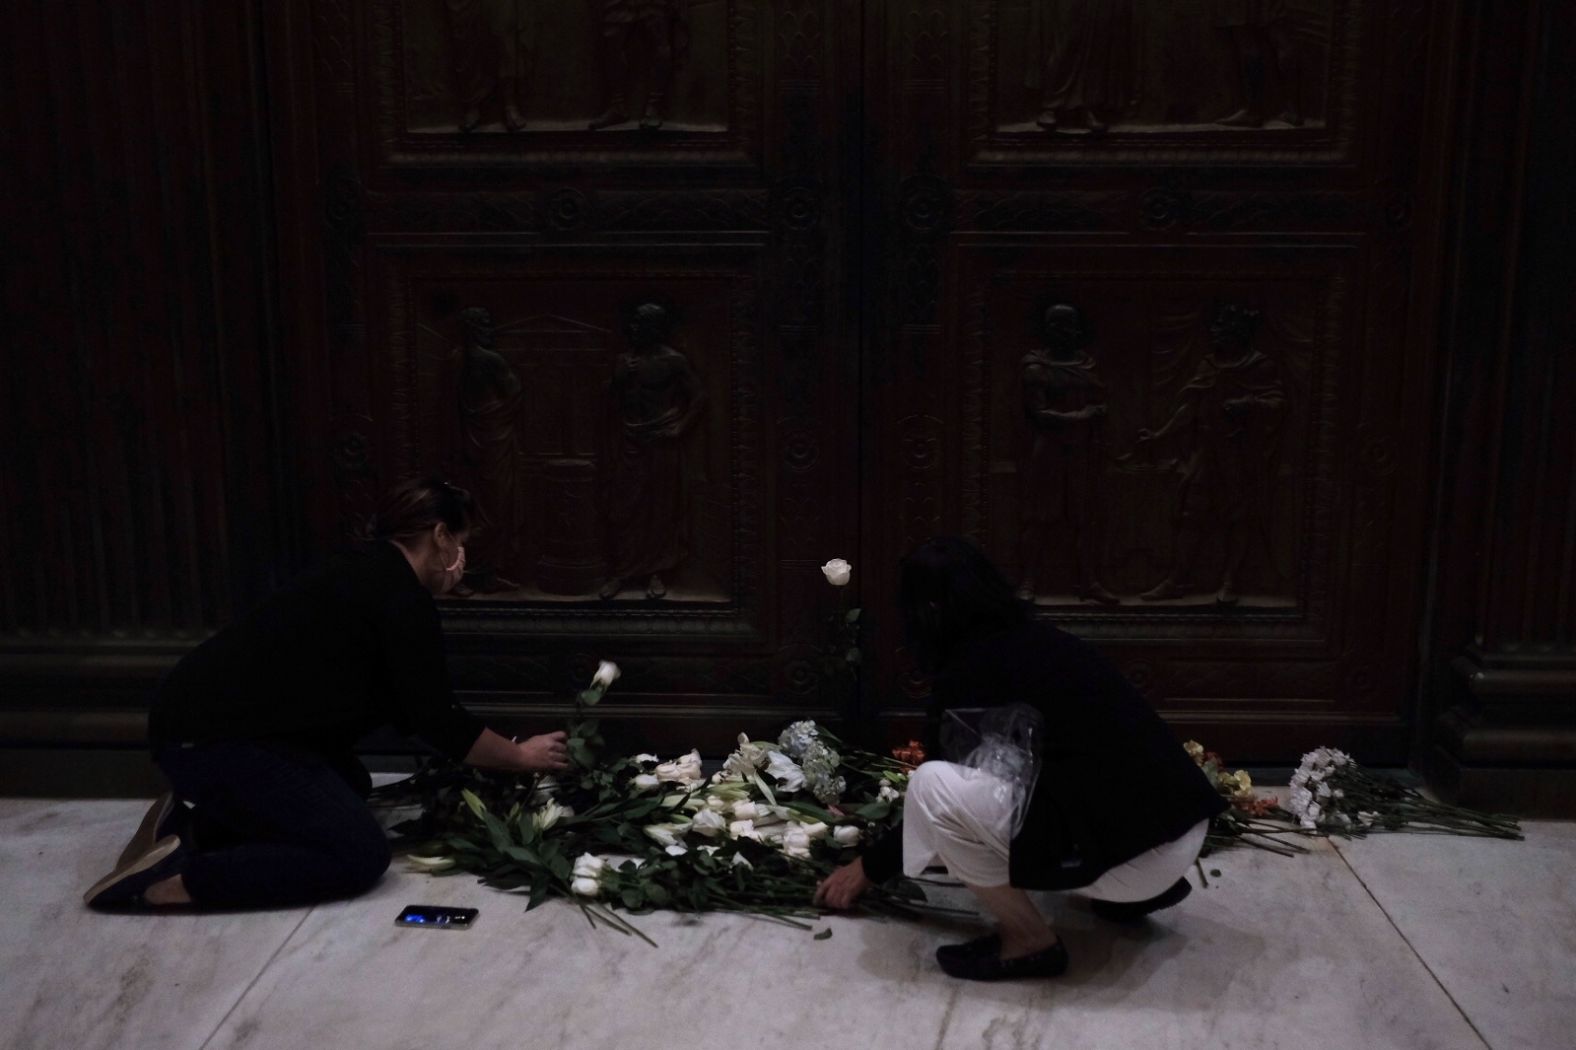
{"x": 912, "y": 755}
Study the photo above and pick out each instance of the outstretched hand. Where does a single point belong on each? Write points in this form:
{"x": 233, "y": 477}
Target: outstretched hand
{"x": 844, "y": 886}
{"x": 547, "y": 753}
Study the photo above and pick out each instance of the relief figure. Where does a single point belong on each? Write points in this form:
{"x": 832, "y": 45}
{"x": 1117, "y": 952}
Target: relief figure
{"x": 1231, "y": 413}
{"x": 626, "y": 29}
{"x": 1082, "y": 62}
{"x": 657, "y": 399}
{"x": 1265, "y": 68}
{"x": 1064, "y": 402}
{"x": 490, "y": 396}
{"x": 492, "y": 45}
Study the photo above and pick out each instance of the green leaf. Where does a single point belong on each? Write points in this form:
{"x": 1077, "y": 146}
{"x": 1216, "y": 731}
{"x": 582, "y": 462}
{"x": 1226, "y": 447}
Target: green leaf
{"x": 525, "y": 827}
{"x": 541, "y": 889}
{"x": 643, "y": 809}
{"x": 824, "y": 935}
{"x": 498, "y": 830}
{"x": 852, "y": 616}
{"x": 811, "y": 811}
{"x": 524, "y": 855}
{"x": 657, "y": 895}
{"x": 873, "y": 810}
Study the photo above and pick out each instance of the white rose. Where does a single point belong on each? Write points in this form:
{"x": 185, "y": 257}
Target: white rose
{"x": 645, "y": 782}
{"x": 745, "y": 810}
{"x": 585, "y": 887}
{"x": 816, "y": 830}
{"x": 796, "y": 841}
{"x": 718, "y": 804}
{"x": 607, "y": 673}
{"x": 678, "y": 849}
{"x": 641, "y": 760}
{"x": 837, "y": 572}
{"x": 888, "y": 793}
{"x": 709, "y": 823}
{"x": 684, "y": 770}
{"x": 743, "y": 829}
{"x": 589, "y": 866}
{"x": 846, "y": 835}
{"x": 785, "y": 771}
{"x": 740, "y": 861}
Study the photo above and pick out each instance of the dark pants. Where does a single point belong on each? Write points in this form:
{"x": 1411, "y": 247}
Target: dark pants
{"x": 272, "y": 828}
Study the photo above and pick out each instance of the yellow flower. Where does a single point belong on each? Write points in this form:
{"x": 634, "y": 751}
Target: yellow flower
{"x": 1195, "y": 750}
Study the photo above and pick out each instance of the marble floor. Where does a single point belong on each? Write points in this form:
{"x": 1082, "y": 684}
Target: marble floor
{"x": 1400, "y": 941}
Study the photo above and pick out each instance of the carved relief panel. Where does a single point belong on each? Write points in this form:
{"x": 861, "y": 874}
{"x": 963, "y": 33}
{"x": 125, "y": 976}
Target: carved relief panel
{"x": 1150, "y": 435}
{"x": 595, "y": 415}
{"x": 1243, "y": 76}
{"x": 462, "y": 78}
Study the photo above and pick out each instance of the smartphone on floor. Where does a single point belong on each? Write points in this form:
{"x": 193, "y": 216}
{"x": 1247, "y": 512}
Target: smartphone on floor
{"x": 436, "y": 916}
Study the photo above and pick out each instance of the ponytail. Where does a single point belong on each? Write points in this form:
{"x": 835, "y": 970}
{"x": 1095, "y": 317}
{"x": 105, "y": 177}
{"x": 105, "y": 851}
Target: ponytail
{"x": 414, "y": 506}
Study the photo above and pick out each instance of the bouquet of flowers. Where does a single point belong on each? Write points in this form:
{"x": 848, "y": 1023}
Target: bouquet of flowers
{"x": 1330, "y": 794}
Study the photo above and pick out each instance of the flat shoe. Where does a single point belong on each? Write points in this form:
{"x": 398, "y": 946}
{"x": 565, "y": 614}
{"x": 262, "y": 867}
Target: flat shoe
{"x": 990, "y": 966}
{"x": 991, "y": 943}
{"x": 1134, "y": 911}
{"x": 124, "y": 886}
{"x": 155, "y": 825}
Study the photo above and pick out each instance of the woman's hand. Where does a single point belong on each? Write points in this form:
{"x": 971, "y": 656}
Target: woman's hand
{"x": 844, "y": 886}
{"x": 547, "y": 753}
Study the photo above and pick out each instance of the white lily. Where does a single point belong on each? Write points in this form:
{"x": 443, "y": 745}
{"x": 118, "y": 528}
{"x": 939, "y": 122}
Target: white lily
{"x": 785, "y": 771}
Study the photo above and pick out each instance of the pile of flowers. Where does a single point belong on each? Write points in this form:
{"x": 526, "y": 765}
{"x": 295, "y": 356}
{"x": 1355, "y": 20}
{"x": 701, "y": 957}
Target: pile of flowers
{"x": 640, "y": 833}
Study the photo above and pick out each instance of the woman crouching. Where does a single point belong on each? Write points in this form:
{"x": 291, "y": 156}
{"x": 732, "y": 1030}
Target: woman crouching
{"x": 1107, "y": 803}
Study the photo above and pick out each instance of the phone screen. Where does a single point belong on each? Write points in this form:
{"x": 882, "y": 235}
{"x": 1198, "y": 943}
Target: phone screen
{"x": 436, "y": 916}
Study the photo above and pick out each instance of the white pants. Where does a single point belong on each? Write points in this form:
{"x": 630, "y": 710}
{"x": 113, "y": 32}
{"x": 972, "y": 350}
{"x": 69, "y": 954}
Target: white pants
{"x": 961, "y": 817}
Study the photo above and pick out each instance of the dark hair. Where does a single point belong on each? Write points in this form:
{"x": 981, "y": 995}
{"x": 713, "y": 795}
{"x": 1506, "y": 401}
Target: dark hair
{"x": 417, "y": 504}
{"x": 949, "y": 591}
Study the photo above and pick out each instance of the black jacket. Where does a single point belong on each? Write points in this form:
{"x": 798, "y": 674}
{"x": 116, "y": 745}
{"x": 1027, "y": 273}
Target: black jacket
{"x": 350, "y": 647}
{"x": 1114, "y": 780}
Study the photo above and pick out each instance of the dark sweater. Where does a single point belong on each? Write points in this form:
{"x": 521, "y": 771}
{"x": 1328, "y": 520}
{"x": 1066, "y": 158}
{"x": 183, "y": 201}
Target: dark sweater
{"x": 350, "y": 647}
{"x": 1114, "y": 780}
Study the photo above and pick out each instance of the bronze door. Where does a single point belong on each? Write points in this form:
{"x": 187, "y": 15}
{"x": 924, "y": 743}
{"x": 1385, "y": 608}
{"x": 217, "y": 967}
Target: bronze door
{"x": 1154, "y": 328}
{"x": 697, "y": 294}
